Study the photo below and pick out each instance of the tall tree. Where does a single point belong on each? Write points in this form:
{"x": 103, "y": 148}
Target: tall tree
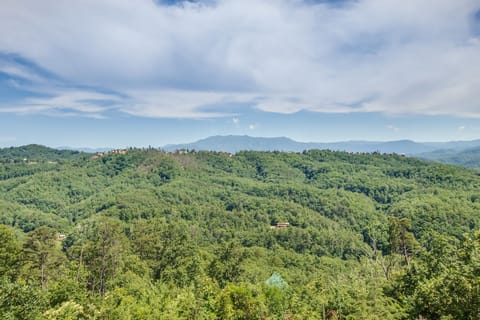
{"x": 42, "y": 254}
{"x": 402, "y": 240}
{"x": 226, "y": 267}
{"x": 168, "y": 248}
{"x": 102, "y": 247}
{"x": 10, "y": 252}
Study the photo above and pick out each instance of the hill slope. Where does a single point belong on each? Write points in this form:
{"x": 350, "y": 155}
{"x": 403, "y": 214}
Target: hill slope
{"x": 194, "y": 235}
{"x": 35, "y": 152}
{"x": 465, "y": 158}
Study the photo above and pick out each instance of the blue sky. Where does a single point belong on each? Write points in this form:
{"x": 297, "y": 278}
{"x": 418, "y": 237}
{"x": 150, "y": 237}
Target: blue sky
{"x": 121, "y": 73}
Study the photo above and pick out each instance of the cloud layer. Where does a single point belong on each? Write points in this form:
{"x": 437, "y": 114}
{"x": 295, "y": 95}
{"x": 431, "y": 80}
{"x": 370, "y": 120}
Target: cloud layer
{"x": 155, "y": 60}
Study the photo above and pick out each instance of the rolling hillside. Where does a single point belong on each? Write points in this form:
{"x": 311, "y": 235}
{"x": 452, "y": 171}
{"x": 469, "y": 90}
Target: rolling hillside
{"x": 258, "y": 235}
{"x": 466, "y": 158}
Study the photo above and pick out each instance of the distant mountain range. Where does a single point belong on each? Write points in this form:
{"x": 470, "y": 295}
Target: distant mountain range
{"x": 86, "y": 150}
{"x": 465, "y": 153}
{"x": 237, "y": 143}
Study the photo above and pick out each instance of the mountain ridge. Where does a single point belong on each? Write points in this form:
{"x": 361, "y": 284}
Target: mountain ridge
{"x": 235, "y": 143}
{"x": 463, "y": 153}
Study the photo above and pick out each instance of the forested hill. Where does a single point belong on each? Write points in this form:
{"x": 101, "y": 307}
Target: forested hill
{"x": 35, "y": 152}
{"x": 186, "y": 235}
{"x": 465, "y": 158}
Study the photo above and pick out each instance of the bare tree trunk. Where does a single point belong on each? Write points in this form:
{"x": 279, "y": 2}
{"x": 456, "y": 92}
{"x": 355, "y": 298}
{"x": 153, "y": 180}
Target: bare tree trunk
{"x": 80, "y": 260}
{"x": 104, "y": 266}
{"x": 406, "y": 255}
{"x": 387, "y": 267}
{"x": 42, "y": 272}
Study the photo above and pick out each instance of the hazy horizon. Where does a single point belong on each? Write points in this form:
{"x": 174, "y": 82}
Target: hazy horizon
{"x": 106, "y": 147}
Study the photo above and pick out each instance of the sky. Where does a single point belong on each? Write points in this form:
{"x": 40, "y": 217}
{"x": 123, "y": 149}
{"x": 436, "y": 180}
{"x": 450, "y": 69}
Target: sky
{"x": 116, "y": 73}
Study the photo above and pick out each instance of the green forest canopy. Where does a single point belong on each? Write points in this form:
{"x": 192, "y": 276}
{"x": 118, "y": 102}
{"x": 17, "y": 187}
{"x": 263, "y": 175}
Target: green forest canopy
{"x": 191, "y": 235}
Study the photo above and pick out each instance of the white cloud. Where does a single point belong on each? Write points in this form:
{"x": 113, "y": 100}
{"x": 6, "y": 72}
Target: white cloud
{"x": 461, "y": 128}
{"x": 16, "y": 70}
{"x": 393, "y": 128}
{"x": 178, "y": 103}
{"x": 390, "y": 56}
{"x": 65, "y": 102}
{"x": 252, "y": 126}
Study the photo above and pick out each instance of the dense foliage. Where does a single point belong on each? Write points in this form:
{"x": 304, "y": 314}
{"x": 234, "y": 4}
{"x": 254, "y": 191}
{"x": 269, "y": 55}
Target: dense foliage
{"x": 154, "y": 235}
{"x": 467, "y": 158}
{"x": 36, "y": 153}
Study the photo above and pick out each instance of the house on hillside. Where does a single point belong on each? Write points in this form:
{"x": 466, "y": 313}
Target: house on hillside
{"x": 106, "y": 153}
{"x": 119, "y": 151}
{"x": 280, "y": 225}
